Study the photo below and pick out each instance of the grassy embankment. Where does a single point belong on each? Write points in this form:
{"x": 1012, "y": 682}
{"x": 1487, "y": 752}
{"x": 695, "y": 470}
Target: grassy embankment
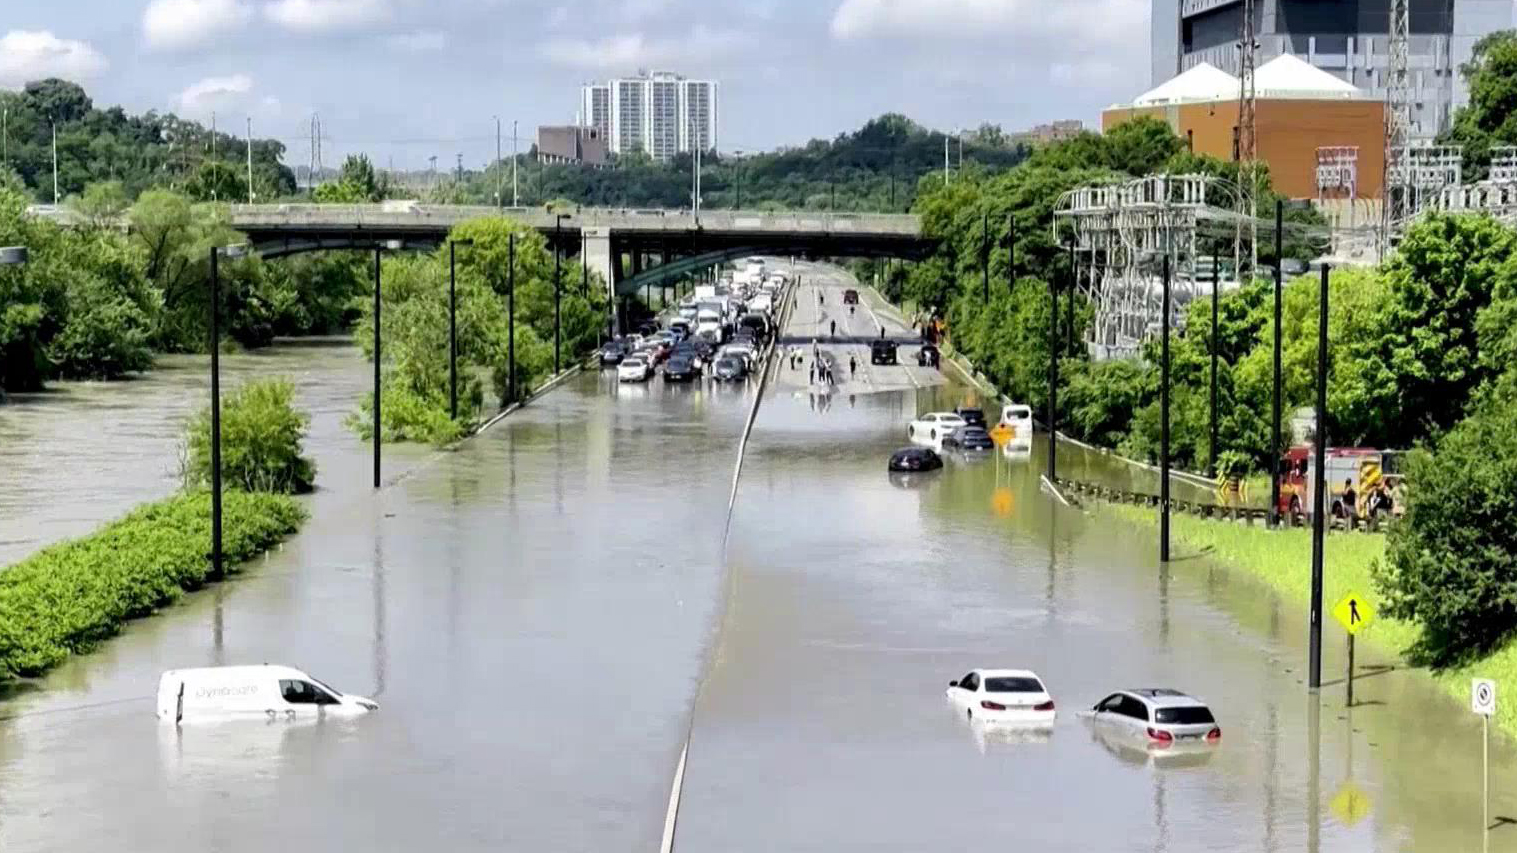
{"x": 1282, "y": 559}
{"x": 68, "y": 597}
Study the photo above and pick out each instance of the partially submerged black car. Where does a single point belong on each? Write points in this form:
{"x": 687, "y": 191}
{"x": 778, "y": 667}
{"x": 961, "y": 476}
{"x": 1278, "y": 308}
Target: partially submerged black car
{"x": 681, "y": 368}
{"x": 612, "y": 353}
{"x": 968, "y": 438}
{"x": 972, "y": 417}
{"x": 915, "y": 459}
{"x": 731, "y": 369}
{"x": 882, "y": 352}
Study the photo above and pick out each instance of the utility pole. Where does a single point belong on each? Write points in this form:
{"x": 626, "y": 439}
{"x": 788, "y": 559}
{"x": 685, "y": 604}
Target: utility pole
{"x": 500, "y": 176}
{"x": 1215, "y": 273}
{"x": 511, "y": 313}
{"x": 945, "y": 159}
{"x": 515, "y": 197}
{"x": 1053, "y": 383}
{"x": 217, "y": 571}
{"x": 1319, "y": 490}
{"x": 1274, "y": 435}
{"x": 250, "y": 159}
{"x": 1164, "y": 428}
{"x": 459, "y": 170}
{"x": 213, "y": 151}
{"x": 1011, "y": 251}
{"x": 55, "y": 163}
{"x": 376, "y": 412}
{"x": 985, "y": 254}
{"x": 5, "y": 132}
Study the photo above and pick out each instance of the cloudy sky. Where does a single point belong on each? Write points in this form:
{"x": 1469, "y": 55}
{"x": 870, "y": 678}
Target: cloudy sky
{"x": 407, "y": 79}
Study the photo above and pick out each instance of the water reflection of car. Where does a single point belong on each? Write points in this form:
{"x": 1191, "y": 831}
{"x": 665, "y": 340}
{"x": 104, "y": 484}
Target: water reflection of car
{"x": 882, "y": 352}
{"x": 731, "y": 369}
{"x": 968, "y": 439}
{"x": 1003, "y": 696}
{"x": 915, "y": 460}
{"x": 1017, "y": 452}
{"x": 988, "y": 735}
{"x": 1135, "y": 752}
{"x": 1156, "y": 718}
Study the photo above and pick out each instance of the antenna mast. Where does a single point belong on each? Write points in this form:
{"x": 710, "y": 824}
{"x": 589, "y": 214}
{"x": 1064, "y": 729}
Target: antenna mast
{"x": 1397, "y": 194}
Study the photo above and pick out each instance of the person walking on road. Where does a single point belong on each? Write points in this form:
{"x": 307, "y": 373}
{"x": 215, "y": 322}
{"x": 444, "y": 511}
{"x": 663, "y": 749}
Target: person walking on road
{"x": 834, "y": 328}
{"x": 853, "y": 366}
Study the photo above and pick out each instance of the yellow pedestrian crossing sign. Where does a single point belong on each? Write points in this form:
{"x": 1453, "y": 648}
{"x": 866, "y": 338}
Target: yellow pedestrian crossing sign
{"x": 1354, "y": 611}
{"x": 1350, "y": 805}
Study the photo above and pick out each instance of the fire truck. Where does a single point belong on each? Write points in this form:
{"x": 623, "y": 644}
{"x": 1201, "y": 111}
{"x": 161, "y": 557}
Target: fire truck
{"x": 1366, "y": 468}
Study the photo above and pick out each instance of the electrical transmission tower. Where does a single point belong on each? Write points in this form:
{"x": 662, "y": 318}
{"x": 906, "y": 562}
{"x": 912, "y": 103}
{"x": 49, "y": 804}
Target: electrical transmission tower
{"x": 1248, "y": 202}
{"x": 1396, "y": 208}
{"x": 316, "y": 164}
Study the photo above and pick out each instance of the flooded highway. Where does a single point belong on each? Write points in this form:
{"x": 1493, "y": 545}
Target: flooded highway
{"x": 536, "y": 610}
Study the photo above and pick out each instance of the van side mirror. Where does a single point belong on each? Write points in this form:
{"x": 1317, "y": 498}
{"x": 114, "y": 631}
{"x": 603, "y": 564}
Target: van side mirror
{"x": 953, "y": 684}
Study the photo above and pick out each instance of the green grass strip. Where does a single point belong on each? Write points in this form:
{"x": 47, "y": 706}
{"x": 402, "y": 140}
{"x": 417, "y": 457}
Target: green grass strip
{"x": 70, "y": 596}
{"x": 1283, "y": 559}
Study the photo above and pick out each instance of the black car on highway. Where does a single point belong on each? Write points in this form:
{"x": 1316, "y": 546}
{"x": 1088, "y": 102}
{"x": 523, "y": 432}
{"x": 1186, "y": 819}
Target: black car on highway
{"x": 972, "y": 417}
{"x": 612, "y": 353}
{"x": 731, "y": 369}
{"x": 915, "y": 459}
{"x": 681, "y": 368}
{"x": 968, "y": 438}
{"x": 882, "y": 352}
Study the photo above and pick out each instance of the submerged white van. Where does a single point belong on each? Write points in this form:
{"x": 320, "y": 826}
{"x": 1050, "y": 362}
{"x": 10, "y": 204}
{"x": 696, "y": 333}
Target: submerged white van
{"x": 253, "y": 692}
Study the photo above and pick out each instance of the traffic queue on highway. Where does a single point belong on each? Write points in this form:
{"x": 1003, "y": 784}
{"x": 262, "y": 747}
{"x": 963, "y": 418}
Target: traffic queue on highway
{"x": 718, "y": 332}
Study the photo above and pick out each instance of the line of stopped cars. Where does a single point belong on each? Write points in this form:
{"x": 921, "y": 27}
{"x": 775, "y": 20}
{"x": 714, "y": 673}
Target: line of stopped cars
{"x": 718, "y": 332}
{"x": 1134, "y": 723}
{"x": 964, "y": 433}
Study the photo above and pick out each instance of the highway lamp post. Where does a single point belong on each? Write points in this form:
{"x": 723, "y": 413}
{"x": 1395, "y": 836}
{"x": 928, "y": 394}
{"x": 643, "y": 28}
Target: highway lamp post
{"x": 558, "y": 230}
{"x": 453, "y": 325}
{"x": 1069, "y": 311}
{"x": 511, "y": 316}
{"x": 1274, "y": 436}
{"x": 379, "y": 249}
{"x": 515, "y": 159}
{"x": 500, "y": 175}
{"x": 1011, "y": 251}
{"x": 217, "y": 569}
{"x": 1053, "y": 381}
{"x": 1319, "y": 488}
{"x": 985, "y": 256}
{"x": 1164, "y": 427}
{"x": 1215, "y": 274}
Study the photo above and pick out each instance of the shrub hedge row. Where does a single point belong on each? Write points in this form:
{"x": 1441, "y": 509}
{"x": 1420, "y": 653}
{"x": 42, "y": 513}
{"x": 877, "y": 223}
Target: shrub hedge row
{"x": 66, "y": 598}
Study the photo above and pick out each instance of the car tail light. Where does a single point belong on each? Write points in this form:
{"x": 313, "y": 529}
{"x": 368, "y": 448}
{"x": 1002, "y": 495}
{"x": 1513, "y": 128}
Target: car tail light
{"x": 1045, "y": 706}
{"x": 992, "y": 706}
{"x": 1214, "y": 734}
{"x": 1159, "y": 735}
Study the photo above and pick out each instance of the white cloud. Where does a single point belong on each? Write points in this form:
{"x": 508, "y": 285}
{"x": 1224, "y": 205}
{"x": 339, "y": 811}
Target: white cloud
{"x": 634, "y": 50}
{"x": 187, "y": 24}
{"x": 216, "y": 94}
{"x": 314, "y": 16}
{"x": 27, "y": 55}
{"x": 420, "y": 41}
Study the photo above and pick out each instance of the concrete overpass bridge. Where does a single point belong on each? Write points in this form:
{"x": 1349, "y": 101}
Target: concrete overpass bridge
{"x": 620, "y": 244}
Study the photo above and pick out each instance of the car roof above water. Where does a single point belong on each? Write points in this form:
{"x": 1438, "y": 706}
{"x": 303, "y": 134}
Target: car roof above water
{"x": 1165, "y": 697}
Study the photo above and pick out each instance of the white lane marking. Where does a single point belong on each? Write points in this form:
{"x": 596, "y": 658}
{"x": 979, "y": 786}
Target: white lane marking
{"x": 667, "y": 845}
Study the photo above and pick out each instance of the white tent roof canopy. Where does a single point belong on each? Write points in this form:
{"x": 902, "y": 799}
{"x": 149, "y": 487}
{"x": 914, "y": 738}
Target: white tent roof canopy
{"x": 1202, "y": 82}
{"x": 1287, "y": 76}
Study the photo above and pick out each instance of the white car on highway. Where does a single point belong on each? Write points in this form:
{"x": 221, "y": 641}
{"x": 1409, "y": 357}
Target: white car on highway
{"x": 1164, "y": 718}
{"x": 932, "y": 426}
{"x": 634, "y": 368}
{"x": 1003, "y": 696}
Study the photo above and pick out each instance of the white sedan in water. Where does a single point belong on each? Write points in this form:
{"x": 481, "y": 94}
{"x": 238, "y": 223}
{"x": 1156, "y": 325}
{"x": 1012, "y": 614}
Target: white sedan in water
{"x": 1003, "y": 696}
{"x": 634, "y": 368}
{"x": 932, "y": 427}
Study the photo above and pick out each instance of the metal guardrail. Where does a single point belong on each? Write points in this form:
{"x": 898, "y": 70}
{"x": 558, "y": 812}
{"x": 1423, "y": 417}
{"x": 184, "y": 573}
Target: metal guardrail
{"x": 1222, "y": 512}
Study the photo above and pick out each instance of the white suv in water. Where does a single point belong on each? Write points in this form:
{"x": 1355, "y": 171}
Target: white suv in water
{"x": 1162, "y": 716}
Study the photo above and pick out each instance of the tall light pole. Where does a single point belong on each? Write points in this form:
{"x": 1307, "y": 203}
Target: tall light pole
{"x": 515, "y": 197}
{"x": 1274, "y": 436}
{"x": 500, "y": 177}
{"x": 379, "y": 249}
{"x": 1164, "y": 428}
{"x": 558, "y": 225}
{"x": 1319, "y": 491}
{"x": 55, "y": 162}
{"x": 511, "y": 313}
{"x": 453, "y": 325}
{"x": 218, "y": 571}
{"x": 250, "y": 159}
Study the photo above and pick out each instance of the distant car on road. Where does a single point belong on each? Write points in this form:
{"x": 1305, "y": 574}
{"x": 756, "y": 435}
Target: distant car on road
{"x": 971, "y": 438}
{"x": 850, "y": 297}
{"x": 933, "y": 426}
{"x": 681, "y": 368}
{"x": 612, "y": 353}
{"x": 1162, "y": 716}
{"x": 634, "y": 368}
{"x": 730, "y": 368}
{"x": 647, "y": 327}
{"x": 914, "y": 459}
{"x": 882, "y": 352}
{"x": 971, "y": 416}
{"x": 928, "y": 356}
{"x": 1003, "y": 696}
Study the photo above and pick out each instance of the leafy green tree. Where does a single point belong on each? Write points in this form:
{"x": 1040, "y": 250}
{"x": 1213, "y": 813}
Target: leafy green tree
{"x": 357, "y": 184}
{"x": 1490, "y": 117}
{"x": 261, "y": 435}
{"x": 218, "y": 180}
{"x": 101, "y": 204}
{"x": 1451, "y": 562}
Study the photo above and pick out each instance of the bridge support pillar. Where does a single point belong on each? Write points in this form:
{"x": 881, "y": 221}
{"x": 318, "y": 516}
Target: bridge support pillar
{"x": 597, "y": 243}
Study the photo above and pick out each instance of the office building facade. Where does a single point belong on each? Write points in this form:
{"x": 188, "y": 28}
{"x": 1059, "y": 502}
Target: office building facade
{"x": 660, "y": 113}
{"x": 1348, "y": 38}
